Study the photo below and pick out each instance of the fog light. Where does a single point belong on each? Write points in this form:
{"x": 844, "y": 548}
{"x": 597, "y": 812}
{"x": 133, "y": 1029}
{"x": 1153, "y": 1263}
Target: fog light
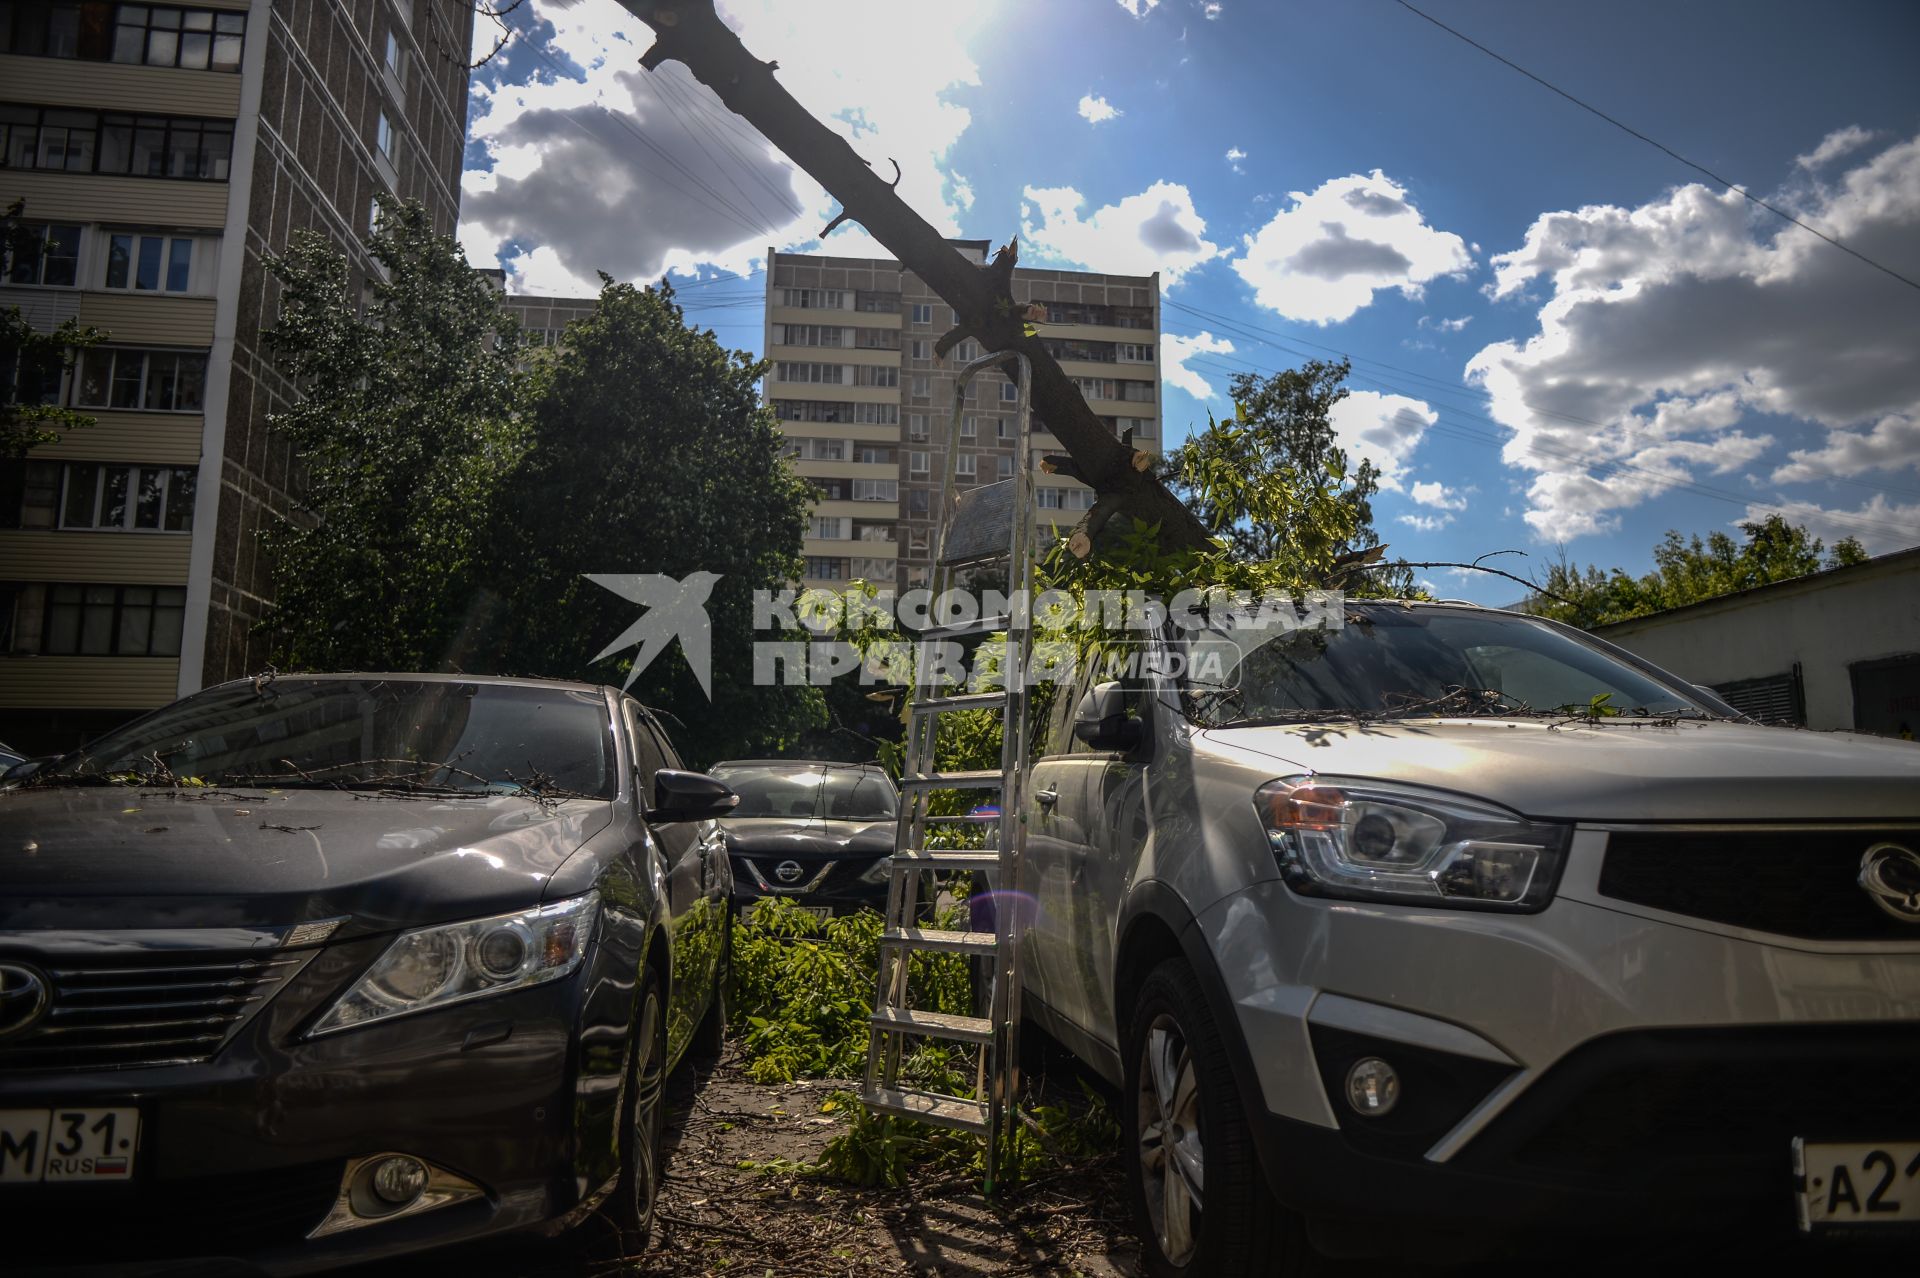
{"x": 1373, "y": 1087}
{"x": 399, "y": 1180}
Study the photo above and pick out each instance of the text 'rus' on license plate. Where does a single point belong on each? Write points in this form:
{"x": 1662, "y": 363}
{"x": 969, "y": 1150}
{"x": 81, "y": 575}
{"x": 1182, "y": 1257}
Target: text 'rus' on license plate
{"x": 68, "y": 1144}
{"x": 1858, "y": 1184}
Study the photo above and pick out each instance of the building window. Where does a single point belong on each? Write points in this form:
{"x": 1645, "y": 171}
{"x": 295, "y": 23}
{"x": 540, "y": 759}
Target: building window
{"x": 873, "y": 570}
{"x": 964, "y": 466}
{"x": 821, "y": 374}
{"x": 829, "y": 527}
{"x": 876, "y": 490}
{"x": 875, "y": 375}
{"x": 1137, "y": 392}
{"x": 125, "y": 145}
{"x": 968, "y": 351}
{"x": 29, "y": 494}
{"x": 197, "y": 39}
{"x": 1006, "y": 428}
{"x": 1047, "y": 498}
{"x": 1006, "y": 465}
{"x": 918, "y": 464}
{"x": 383, "y": 135}
{"x": 876, "y": 303}
{"x": 919, "y": 350}
{"x": 393, "y": 54}
{"x": 150, "y": 381}
{"x": 149, "y": 263}
{"x": 969, "y": 428}
{"x": 113, "y": 621}
{"x": 812, "y": 335}
{"x": 45, "y": 255}
{"x": 872, "y": 455}
{"x": 922, "y": 313}
{"x": 917, "y": 501}
{"x": 917, "y": 426}
{"x": 1093, "y": 387}
{"x": 829, "y": 299}
{"x": 823, "y": 568}
{"x": 114, "y": 498}
{"x": 1135, "y": 353}
{"x": 1009, "y": 393}
{"x": 920, "y": 386}
{"x": 917, "y": 541}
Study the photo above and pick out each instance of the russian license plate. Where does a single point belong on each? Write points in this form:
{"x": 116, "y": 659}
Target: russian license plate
{"x": 821, "y": 912}
{"x": 67, "y": 1144}
{"x": 1857, "y": 1184}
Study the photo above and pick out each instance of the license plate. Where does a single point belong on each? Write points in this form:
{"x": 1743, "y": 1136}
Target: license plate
{"x": 1857, "y": 1184}
{"x": 68, "y": 1144}
{"x": 821, "y": 912}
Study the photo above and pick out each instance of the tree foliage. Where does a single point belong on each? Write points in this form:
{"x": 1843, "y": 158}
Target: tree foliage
{"x": 1687, "y": 571}
{"x": 654, "y": 455}
{"x": 33, "y": 362}
{"x": 1273, "y": 483}
{"x": 409, "y": 422}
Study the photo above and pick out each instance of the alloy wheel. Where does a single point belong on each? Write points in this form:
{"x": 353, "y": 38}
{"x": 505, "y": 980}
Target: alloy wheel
{"x": 649, "y": 1078}
{"x": 1171, "y": 1162}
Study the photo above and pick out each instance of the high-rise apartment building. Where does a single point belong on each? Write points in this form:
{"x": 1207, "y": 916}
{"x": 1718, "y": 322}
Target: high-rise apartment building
{"x": 162, "y": 153}
{"x": 866, "y": 408}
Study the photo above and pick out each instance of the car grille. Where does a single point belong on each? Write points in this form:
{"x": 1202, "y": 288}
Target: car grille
{"x": 173, "y": 1007}
{"x": 1801, "y": 883}
{"x": 229, "y": 1214}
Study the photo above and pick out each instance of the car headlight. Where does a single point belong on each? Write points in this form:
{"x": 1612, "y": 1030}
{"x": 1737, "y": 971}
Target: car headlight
{"x": 453, "y": 962}
{"x": 881, "y": 871}
{"x": 1371, "y": 840}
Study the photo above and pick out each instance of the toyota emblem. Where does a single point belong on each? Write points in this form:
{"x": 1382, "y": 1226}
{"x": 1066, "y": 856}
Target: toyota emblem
{"x": 1890, "y": 874}
{"x": 788, "y": 871}
{"x": 24, "y": 994}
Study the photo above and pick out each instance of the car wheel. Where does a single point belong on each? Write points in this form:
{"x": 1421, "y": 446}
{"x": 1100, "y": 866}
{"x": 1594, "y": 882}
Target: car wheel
{"x": 1200, "y": 1199}
{"x": 632, "y": 1206}
{"x": 710, "y": 1039}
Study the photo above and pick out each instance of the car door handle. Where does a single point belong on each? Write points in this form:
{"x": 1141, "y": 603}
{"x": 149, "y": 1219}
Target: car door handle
{"x": 1046, "y": 798}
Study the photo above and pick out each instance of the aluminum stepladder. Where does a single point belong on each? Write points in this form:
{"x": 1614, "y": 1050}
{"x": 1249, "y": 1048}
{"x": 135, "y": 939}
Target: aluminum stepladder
{"x": 991, "y": 522}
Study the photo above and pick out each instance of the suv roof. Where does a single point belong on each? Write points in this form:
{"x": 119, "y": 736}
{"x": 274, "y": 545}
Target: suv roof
{"x": 796, "y": 763}
{"x": 414, "y": 676}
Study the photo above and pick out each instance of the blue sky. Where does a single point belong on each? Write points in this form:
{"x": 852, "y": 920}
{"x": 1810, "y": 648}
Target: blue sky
{"x": 1561, "y": 337}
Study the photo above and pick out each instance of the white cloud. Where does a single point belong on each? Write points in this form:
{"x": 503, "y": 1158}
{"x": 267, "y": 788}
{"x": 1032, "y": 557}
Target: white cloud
{"x": 1892, "y": 443}
{"x": 1664, "y": 326}
{"x": 1446, "y": 325}
{"x": 1211, "y": 9}
{"x": 572, "y": 175}
{"x": 1325, "y": 257}
{"x": 1882, "y": 526}
{"x": 1097, "y": 110}
{"x": 1382, "y": 429}
{"x": 1139, "y": 8}
{"x": 1156, "y": 230}
{"x": 1234, "y": 156}
{"x": 1836, "y": 144}
{"x": 1176, "y": 350}
{"x": 1425, "y": 523}
{"x": 1436, "y": 494}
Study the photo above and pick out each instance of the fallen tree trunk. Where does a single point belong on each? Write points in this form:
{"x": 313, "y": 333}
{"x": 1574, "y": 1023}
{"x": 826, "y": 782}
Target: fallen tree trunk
{"x": 691, "y": 33}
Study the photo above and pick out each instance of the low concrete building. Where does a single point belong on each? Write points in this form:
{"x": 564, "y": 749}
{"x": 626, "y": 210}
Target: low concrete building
{"x": 1838, "y": 649}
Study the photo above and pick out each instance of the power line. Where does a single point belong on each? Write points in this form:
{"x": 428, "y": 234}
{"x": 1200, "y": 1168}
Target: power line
{"x": 1658, "y": 146}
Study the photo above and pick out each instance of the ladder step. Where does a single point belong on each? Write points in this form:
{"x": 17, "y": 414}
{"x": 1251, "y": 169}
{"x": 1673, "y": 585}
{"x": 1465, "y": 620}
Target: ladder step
{"x": 926, "y": 938}
{"x": 961, "y": 629}
{"x": 906, "y": 1020}
{"x": 964, "y": 818}
{"x": 930, "y": 1107}
{"x": 988, "y": 779}
{"x": 966, "y": 701}
{"x": 943, "y": 861}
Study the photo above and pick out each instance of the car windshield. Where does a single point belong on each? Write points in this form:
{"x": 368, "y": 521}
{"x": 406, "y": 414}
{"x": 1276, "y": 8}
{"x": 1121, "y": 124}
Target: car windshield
{"x": 363, "y": 734}
{"x": 809, "y": 793}
{"x": 1397, "y": 662}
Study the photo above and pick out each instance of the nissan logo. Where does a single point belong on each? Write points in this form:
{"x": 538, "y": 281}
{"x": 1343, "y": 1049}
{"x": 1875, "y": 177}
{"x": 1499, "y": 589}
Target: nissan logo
{"x": 1890, "y": 874}
{"x": 788, "y": 871}
{"x": 24, "y": 995}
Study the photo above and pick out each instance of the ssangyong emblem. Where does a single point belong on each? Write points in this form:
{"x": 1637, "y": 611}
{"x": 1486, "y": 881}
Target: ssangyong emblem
{"x": 788, "y": 871}
{"x": 24, "y": 994}
{"x": 1890, "y": 874}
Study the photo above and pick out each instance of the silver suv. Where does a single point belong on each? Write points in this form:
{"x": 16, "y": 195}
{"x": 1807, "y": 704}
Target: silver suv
{"x": 1457, "y": 925}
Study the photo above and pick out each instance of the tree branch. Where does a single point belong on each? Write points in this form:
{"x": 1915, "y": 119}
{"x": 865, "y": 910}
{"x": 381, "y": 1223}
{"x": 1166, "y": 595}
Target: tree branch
{"x": 690, "y": 32}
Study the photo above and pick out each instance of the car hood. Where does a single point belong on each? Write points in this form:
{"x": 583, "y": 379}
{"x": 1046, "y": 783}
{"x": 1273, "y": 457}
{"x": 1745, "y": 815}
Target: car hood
{"x": 1689, "y": 770}
{"x": 111, "y": 857}
{"x": 803, "y": 838}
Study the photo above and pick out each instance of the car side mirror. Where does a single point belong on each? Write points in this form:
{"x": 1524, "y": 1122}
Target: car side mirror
{"x": 1101, "y": 719}
{"x": 688, "y": 796}
{"x": 25, "y": 768}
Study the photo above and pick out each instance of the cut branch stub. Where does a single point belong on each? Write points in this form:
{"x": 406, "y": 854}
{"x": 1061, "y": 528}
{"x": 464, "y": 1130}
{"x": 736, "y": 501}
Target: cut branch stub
{"x": 690, "y": 32}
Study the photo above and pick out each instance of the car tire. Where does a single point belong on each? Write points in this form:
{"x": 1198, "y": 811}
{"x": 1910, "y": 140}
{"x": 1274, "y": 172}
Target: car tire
{"x": 1182, "y": 1120}
{"x": 710, "y": 1039}
{"x": 642, "y": 1115}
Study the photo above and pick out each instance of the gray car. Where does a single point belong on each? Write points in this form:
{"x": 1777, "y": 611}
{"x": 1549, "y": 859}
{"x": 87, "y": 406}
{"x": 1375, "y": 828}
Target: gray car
{"x": 1451, "y": 925}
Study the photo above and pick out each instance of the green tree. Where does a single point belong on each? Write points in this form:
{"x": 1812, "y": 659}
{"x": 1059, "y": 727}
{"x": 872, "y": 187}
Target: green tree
{"x": 32, "y": 362}
{"x": 655, "y": 455}
{"x": 1688, "y": 570}
{"x": 1273, "y": 483}
{"x": 409, "y": 423}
